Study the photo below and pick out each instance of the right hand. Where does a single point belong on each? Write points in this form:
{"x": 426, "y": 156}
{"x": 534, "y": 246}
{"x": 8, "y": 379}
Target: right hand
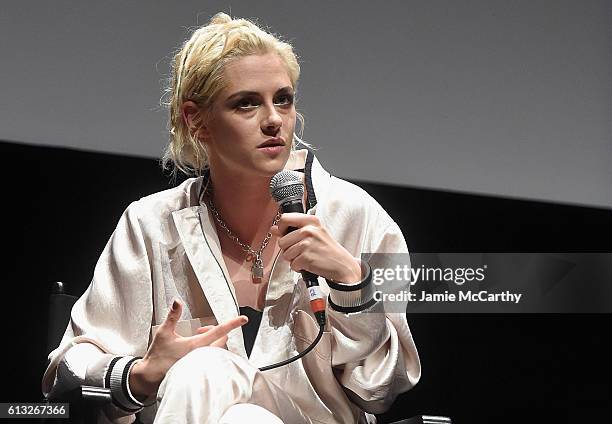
{"x": 168, "y": 347}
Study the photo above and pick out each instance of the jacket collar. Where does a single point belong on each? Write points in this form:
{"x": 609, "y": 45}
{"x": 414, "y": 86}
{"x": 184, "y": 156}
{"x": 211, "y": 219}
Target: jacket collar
{"x": 203, "y": 249}
{"x": 315, "y": 177}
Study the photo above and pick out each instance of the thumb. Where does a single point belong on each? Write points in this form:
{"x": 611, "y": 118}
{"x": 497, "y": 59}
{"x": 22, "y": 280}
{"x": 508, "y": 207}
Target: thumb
{"x": 174, "y": 314}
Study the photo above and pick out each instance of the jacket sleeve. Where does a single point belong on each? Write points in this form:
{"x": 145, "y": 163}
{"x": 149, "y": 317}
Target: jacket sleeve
{"x": 109, "y": 324}
{"x": 373, "y": 353}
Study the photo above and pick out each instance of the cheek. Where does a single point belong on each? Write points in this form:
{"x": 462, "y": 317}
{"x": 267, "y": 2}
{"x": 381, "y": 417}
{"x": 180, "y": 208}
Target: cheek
{"x": 234, "y": 131}
{"x": 289, "y": 122}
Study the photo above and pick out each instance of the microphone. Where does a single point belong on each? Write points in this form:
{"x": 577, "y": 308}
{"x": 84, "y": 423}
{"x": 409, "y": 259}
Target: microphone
{"x": 287, "y": 190}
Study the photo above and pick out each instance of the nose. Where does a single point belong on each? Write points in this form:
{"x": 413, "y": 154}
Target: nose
{"x": 272, "y": 121}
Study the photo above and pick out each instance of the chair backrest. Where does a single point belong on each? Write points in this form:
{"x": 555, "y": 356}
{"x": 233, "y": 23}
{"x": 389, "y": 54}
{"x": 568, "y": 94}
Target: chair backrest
{"x": 60, "y": 305}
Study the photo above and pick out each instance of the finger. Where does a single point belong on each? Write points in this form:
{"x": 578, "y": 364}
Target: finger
{"x": 221, "y": 330}
{"x": 204, "y": 329}
{"x": 174, "y": 314}
{"x": 294, "y": 250}
{"x": 303, "y": 263}
{"x": 307, "y": 234}
{"x": 288, "y": 240}
{"x": 220, "y": 342}
{"x": 229, "y": 325}
{"x": 296, "y": 220}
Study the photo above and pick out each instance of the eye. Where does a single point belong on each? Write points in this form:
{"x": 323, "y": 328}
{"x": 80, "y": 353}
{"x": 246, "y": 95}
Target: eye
{"x": 245, "y": 104}
{"x": 284, "y": 100}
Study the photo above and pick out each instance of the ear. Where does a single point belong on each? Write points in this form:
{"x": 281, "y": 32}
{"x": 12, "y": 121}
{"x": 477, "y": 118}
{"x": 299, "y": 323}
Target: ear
{"x": 189, "y": 110}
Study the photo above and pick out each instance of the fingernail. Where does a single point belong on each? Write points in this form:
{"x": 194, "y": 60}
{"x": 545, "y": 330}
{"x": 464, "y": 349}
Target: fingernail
{"x": 174, "y": 305}
{"x": 245, "y": 319}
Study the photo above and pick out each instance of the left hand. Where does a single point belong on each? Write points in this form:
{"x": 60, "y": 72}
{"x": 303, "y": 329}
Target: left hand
{"x": 311, "y": 248}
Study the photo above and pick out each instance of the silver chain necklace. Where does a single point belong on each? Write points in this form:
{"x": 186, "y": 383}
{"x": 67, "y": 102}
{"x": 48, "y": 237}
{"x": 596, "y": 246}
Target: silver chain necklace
{"x": 256, "y": 256}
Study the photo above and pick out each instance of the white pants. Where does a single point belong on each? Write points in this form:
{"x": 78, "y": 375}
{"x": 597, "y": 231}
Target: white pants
{"x": 213, "y": 385}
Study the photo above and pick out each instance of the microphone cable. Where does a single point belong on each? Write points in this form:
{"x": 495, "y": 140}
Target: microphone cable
{"x": 287, "y": 189}
{"x": 299, "y": 355}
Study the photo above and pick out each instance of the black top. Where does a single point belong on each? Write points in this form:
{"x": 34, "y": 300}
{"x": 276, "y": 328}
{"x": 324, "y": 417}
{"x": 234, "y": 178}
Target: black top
{"x": 249, "y": 330}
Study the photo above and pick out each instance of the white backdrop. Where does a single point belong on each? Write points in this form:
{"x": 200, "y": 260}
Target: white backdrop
{"x": 496, "y": 97}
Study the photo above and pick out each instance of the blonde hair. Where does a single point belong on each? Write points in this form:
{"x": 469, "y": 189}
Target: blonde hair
{"x": 197, "y": 75}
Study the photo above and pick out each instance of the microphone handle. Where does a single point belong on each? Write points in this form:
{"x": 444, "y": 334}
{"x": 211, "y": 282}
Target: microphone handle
{"x": 317, "y": 304}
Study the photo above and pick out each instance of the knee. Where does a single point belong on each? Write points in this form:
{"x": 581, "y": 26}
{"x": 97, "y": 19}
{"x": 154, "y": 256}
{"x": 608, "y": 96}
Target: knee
{"x": 212, "y": 366}
{"x": 205, "y": 359}
{"x": 247, "y": 412}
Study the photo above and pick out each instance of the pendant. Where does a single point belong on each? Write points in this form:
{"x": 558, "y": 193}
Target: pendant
{"x": 257, "y": 271}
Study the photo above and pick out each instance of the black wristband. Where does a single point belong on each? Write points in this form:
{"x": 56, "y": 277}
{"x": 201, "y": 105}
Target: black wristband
{"x": 109, "y": 370}
{"x": 367, "y": 279}
{"x": 124, "y": 382}
{"x": 351, "y": 309}
{"x": 116, "y": 379}
{"x": 349, "y": 298}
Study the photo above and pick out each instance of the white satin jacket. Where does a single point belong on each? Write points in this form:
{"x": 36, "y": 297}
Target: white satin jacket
{"x": 165, "y": 246}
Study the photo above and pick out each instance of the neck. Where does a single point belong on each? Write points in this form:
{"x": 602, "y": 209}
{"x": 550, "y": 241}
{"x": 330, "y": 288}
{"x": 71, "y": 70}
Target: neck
{"x": 245, "y": 204}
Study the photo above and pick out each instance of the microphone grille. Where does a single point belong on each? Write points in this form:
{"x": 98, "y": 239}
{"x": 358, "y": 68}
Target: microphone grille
{"x": 285, "y": 185}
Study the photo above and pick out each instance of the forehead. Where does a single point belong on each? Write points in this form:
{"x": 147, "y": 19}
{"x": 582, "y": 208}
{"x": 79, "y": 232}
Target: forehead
{"x": 256, "y": 73}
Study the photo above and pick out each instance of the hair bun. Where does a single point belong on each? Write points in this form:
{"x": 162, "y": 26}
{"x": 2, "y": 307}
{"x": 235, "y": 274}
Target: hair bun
{"x": 220, "y": 18}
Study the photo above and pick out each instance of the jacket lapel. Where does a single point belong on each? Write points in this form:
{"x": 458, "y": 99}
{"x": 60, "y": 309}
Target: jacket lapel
{"x": 201, "y": 243}
{"x": 276, "y": 328}
{"x": 202, "y": 247}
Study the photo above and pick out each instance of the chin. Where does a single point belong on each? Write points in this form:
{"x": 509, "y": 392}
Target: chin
{"x": 271, "y": 171}
{"x": 270, "y": 167}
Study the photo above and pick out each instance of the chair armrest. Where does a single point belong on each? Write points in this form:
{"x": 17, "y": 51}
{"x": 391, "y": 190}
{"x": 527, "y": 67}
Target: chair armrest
{"x": 425, "y": 419}
{"x": 98, "y": 396}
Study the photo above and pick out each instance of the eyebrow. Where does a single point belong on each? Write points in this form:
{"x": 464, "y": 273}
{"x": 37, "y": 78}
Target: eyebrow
{"x": 255, "y": 93}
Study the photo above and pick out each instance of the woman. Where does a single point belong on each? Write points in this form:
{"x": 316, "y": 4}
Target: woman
{"x": 183, "y": 264}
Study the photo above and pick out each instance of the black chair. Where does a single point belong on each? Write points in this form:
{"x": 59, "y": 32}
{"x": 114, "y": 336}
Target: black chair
{"x": 86, "y": 400}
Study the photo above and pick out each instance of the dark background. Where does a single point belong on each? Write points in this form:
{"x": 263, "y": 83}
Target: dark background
{"x": 60, "y": 206}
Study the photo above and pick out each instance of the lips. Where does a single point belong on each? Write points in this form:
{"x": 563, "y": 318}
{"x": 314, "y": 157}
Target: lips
{"x": 272, "y": 142}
